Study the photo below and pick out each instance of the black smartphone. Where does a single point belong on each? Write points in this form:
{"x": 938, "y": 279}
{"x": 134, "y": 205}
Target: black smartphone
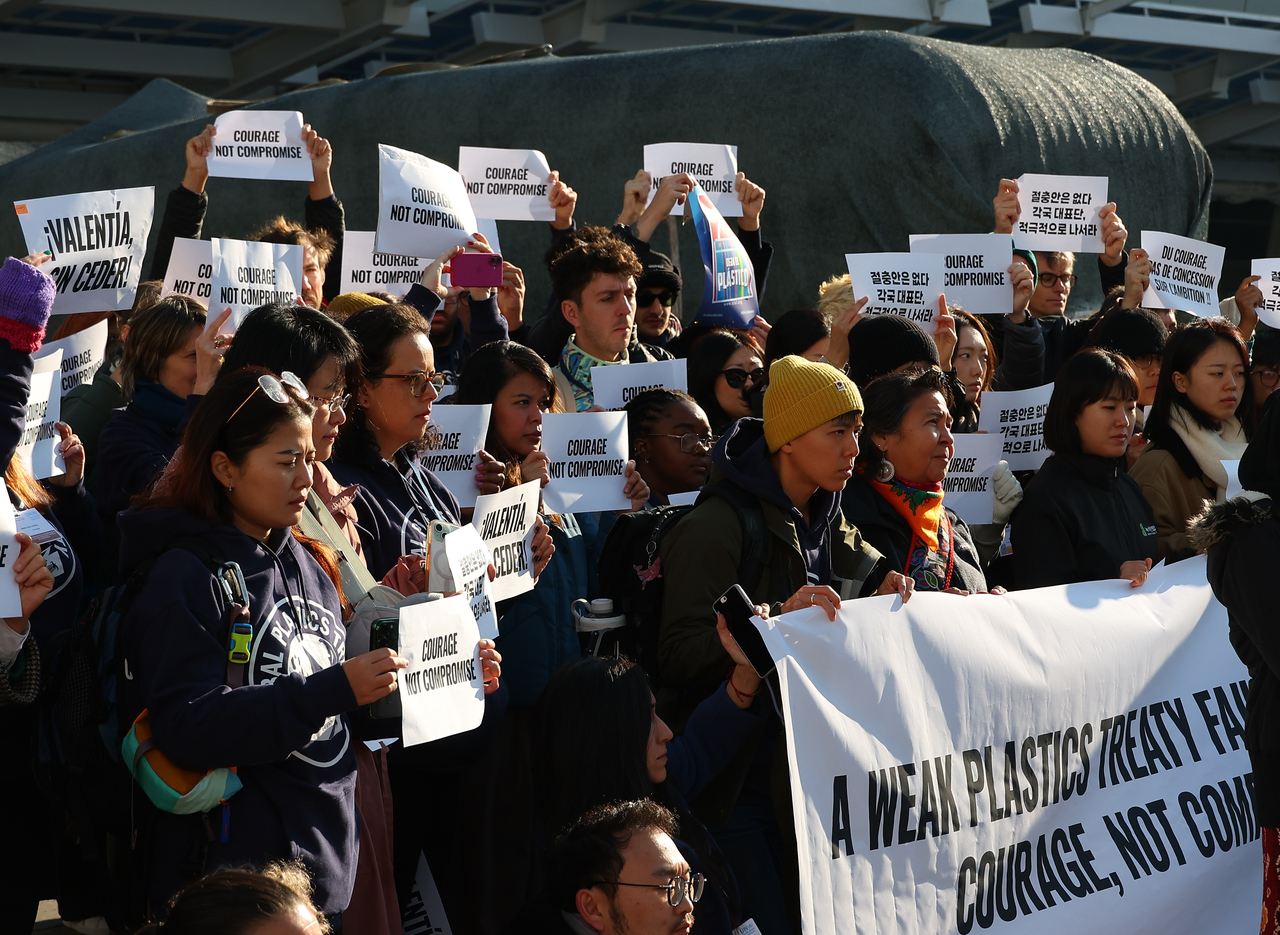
{"x": 384, "y": 633}
{"x": 737, "y": 610}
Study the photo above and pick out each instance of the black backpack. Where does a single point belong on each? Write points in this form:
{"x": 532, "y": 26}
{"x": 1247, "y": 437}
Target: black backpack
{"x": 632, "y": 547}
{"x": 79, "y": 764}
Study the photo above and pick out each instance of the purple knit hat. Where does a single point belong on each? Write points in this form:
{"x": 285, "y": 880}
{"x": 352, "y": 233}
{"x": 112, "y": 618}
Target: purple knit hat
{"x": 26, "y": 298}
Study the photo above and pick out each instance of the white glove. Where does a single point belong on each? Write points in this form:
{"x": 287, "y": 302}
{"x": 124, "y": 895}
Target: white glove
{"x": 1008, "y": 493}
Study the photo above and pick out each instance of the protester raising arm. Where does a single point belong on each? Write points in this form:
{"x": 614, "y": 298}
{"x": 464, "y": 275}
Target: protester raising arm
{"x": 185, "y": 208}
{"x": 634, "y": 195}
{"x": 322, "y": 210}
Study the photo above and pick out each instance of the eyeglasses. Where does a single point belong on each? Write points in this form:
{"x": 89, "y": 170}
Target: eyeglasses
{"x": 737, "y": 378}
{"x": 690, "y": 441}
{"x": 676, "y": 888}
{"x": 1049, "y": 280}
{"x": 418, "y": 380}
{"x": 275, "y": 390}
{"x": 1146, "y": 363}
{"x": 1268, "y": 377}
{"x": 665, "y": 299}
{"x": 332, "y": 403}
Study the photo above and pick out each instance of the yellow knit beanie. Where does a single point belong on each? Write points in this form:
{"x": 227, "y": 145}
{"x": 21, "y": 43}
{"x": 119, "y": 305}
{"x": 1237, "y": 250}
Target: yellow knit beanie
{"x": 801, "y": 396}
{"x": 348, "y": 303}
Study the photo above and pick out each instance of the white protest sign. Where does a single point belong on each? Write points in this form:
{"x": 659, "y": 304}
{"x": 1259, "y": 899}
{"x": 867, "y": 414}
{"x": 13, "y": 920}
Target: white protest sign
{"x": 442, "y": 690}
{"x": 1184, "y": 274}
{"x": 365, "y": 270}
{"x": 10, "y": 593}
{"x": 469, "y": 564}
{"x": 1234, "y": 488}
{"x": 975, "y": 269}
{"x": 81, "y": 354}
{"x": 423, "y": 208}
{"x": 1017, "y": 417}
{"x": 247, "y": 274}
{"x": 190, "y": 270}
{"x": 687, "y": 498}
{"x": 424, "y": 910}
{"x": 505, "y": 521}
{"x": 507, "y": 184}
{"x": 1269, "y": 308}
{"x": 714, "y": 166}
{"x": 614, "y": 387}
{"x": 1060, "y": 760}
{"x": 260, "y": 144}
{"x": 905, "y": 284}
{"x": 97, "y": 240}
{"x": 588, "y": 452}
{"x": 38, "y": 447}
{"x": 489, "y": 228}
{"x": 967, "y": 487}
{"x": 451, "y": 454}
{"x": 1060, "y": 213}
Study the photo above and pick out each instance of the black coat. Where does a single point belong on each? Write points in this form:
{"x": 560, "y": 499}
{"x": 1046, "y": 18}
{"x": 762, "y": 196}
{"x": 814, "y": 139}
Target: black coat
{"x": 1082, "y": 517}
{"x": 887, "y": 532}
{"x": 1243, "y": 538}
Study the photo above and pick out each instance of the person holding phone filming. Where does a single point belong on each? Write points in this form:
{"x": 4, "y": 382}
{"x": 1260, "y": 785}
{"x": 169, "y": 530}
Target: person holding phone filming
{"x": 788, "y": 470}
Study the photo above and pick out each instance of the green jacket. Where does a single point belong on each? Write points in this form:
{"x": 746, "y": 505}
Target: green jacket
{"x": 700, "y": 560}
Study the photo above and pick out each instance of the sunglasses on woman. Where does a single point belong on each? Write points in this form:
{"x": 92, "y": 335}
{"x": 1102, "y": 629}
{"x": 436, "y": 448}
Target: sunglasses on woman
{"x": 418, "y": 380}
{"x": 275, "y": 390}
{"x": 737, "y": 378}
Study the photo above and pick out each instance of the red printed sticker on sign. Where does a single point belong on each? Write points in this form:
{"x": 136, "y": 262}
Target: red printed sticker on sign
{"x": 20, "y": 209}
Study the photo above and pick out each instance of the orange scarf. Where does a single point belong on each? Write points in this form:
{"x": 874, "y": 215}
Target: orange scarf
{"x": 919, "y": 504}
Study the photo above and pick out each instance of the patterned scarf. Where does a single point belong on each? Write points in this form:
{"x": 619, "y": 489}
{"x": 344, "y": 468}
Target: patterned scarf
{"x": 931, "y": 555}
{"x": 576, "y": 364}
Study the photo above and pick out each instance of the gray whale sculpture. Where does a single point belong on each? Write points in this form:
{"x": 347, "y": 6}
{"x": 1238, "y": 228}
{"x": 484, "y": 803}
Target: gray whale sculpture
{"x": 859, "y": 138}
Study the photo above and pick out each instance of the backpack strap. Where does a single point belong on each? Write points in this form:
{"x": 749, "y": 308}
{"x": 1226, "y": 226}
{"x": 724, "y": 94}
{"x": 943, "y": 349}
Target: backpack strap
{"x": 230, "y": 580}
{"x": 755, "y": 532}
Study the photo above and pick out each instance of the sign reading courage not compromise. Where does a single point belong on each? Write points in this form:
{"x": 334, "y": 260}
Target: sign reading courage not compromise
{"x": 1061, "y": 760}
{"x": 97, "y": 240}
{"x": 249, "y": 273}
{"x": 260, "y": 144}
{"x": 423, "y": 208}
{"x": 588, "y": 452}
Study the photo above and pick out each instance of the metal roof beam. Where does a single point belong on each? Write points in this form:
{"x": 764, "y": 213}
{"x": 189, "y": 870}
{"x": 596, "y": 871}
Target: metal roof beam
{"x": 304, "y": 14}
{"x": 36, "y": 50}
{"x": 288, "y": 51}
{"x": 1156, "y": 30}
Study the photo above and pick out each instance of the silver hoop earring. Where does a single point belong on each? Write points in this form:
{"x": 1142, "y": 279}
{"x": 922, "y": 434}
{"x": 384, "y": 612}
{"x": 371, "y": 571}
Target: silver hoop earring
{"x": 886, "y": 471}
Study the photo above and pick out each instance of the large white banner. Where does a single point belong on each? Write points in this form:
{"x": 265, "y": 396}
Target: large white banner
{"x": 1062, "y": 760}
{"x": 96, "y": 239}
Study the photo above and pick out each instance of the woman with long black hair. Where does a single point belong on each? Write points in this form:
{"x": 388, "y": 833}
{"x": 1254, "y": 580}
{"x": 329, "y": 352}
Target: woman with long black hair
{"x": 236, "y": 494}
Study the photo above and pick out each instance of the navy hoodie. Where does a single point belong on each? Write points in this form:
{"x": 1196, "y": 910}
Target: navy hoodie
{"x": 395, "y": 506}
{"x": 134, "y": 447}
{"x": 286, "y": 728}
{"x": 742, "y": 456}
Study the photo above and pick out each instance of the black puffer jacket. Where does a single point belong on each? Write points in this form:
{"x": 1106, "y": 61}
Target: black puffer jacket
{"x": 1242, "y": 537}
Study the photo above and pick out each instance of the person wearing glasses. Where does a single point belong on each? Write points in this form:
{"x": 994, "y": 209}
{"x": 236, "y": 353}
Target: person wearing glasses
{"x": 723, "y": 372}
{"x": 318, "y": 351}
{"x": 394, "y": 384}
{"x": 1264, "y": 367}
{"x": 671, "y": 442}
{"x": 657, "y": 289}
{"x": 1203, "y": 415}
{"x": 617, "y": 871}
{"x": 634, "y": 755}
{"x": 282, "y": 719}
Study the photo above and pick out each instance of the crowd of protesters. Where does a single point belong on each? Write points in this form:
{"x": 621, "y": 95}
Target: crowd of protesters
{"x": 601, "y": 793}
